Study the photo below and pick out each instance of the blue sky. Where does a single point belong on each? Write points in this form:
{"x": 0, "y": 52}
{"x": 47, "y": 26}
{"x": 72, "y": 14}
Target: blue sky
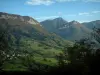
{"x": 79, "y": 10}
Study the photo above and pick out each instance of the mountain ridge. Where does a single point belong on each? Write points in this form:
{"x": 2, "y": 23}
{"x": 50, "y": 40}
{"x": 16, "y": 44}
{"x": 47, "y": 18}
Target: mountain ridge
{"x": 26, "y": 19}
{"x": 23, "y": 28}
{"x": 92, "y": 24}
{"x": 32, "y": 38}
{"x": 68, "y": 30}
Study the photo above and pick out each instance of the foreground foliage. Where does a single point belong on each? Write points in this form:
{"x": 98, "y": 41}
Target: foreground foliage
{"x": 82, "y": 58}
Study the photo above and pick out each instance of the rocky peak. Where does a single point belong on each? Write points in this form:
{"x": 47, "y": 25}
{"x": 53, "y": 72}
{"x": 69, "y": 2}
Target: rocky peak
{"x": 59, "y": 19}
{"x": 74, "y": 22}
{"x": 25, "y": 19}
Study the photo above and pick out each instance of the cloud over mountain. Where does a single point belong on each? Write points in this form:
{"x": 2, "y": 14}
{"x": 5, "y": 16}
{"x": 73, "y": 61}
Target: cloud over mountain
{"x": 49, "y": 2}
{"x": 40, "y": 2}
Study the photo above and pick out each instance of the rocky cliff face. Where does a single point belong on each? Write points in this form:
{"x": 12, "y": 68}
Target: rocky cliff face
{"x": 26, "y": 19}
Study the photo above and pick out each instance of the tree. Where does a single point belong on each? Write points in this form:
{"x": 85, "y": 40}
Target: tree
{"x": 7, "y": 52}
{"x": 96, "y": 34}
{"x": 84, "y": 56}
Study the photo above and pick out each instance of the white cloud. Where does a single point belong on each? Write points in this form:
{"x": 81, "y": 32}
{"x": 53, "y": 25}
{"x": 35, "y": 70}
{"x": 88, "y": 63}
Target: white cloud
{"x": 65, "y": 0}
{"x": 84, "y": 13}
{"x": 46, "y": 17}
{"x": 95, "y": 12}
{"x": 78, "y": 0}
{"x": 88, "y": 13}
{"x": 49, "y": 2}
{"x": 91, "y": 0}
{"x": 81, "y": 21}
{"x": 39, "y": 2}
{"x": 59, "y": 13}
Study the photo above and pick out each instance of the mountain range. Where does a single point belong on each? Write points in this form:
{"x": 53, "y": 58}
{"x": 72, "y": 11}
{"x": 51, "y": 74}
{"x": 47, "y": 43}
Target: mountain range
{"x": 92, "y": 24}
{"x": 58, "y": 27}
{"x": 43, "y": 40}
{"x": 70, "y": 30}
{"x": 26, "y": 26}
{"x": 27, "y": 34}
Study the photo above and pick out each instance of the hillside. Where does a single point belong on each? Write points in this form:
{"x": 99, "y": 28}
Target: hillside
{"x": 68, "y": 30}
{"x": 92, "y": 24}
{"x": 26, "y": 26}
{"x": 26, "y": 34}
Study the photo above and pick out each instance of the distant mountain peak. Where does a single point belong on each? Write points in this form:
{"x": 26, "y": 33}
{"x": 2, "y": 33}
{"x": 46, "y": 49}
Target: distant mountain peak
{"x": 92, "y": 24}
{"x": 74, "y": 22}
{"x": 59, "y": 19}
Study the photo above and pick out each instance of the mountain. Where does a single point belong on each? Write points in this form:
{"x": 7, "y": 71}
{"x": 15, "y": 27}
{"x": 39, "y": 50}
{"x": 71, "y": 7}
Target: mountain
{"x": 25, "y": 26}
{"x": 92, "y": 24}
{"x": 68, "y": 30}
{"x": 53, "y": 25}
{"x": 26, "y": 34}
